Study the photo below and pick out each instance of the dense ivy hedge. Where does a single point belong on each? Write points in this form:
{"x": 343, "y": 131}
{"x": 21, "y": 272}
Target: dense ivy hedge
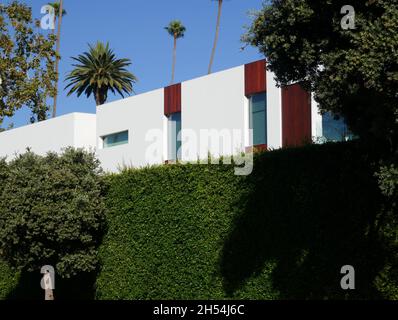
{"x": 285, "y": 231}
{"x": 8, "y": 280}
{"x": 199, "y": 231}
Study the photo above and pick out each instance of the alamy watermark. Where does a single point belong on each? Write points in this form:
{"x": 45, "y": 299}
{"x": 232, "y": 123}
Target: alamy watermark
{"x": 225, "y": 144}
{"x": 47, "y": 22}
{"x": 348, "y": 21}
{"x": 48, "y": 280}
{"x": 348, "y": 280}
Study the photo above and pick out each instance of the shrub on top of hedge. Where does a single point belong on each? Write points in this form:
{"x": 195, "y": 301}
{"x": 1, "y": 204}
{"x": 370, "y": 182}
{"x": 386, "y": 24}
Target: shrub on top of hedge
{"x": 52, "y": 212}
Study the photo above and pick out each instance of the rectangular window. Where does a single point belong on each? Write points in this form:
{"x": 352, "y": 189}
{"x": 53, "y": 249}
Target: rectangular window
{"x": 174, "y": 142}
{"x": 258, "y": 118}
{"x": 334, "y": 128}
{"x": 116, "y": 139}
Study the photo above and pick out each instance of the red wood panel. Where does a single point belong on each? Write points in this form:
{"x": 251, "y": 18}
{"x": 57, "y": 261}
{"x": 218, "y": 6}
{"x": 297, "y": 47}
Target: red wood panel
{"x": 172, "y": 99}
{"x": 255, "y": 77}
{"x": 296, "y": 115}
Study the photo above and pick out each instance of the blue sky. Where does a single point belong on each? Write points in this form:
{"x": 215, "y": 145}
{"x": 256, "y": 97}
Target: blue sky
{"x": 135, "y": 30}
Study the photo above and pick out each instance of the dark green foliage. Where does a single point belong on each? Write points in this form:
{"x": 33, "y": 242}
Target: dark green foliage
{"x": 388, "y": 222}
{"x": 8, "y": 280}
{"x": 52, "y": 212}
{"x": 285, "y": 231}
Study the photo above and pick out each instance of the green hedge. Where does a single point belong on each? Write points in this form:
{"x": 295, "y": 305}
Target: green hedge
{"x": 8, "y": 280}
{"x": 283, "y": 232}
{"x": 200, "y": 232}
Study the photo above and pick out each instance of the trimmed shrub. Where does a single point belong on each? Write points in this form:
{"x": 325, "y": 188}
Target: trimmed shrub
{"x": 52, "y": 212}
{"x": 283, "y": 232}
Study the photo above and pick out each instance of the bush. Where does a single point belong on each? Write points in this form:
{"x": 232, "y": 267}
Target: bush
{"x": 284, "y": 232}
{"x": 52, "y": 212}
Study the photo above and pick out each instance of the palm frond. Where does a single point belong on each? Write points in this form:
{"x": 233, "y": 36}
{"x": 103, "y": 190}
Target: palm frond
{"x": 176, "y": 29}
{"x": 98, "y": 71}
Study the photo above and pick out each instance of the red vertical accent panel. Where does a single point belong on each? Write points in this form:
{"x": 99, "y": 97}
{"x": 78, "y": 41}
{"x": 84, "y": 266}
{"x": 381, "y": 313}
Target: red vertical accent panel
{"x": 172, "y": 99}
{"x": 296, "y": 115}
{"x": 255, "y": 78}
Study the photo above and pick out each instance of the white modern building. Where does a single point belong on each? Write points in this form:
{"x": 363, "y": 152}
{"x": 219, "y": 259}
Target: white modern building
{"x": 224, "y": 113}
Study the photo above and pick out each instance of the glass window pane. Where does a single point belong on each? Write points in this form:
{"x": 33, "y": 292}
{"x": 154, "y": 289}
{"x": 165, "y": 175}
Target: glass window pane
{"x": 259, "y": 132}
{"x": 116, "y": 139}
{"x": 258, "y": 118}
{"x": 258, "y": 102}
{"x": 334, "y": 128}
{"x": 174, "y": 139}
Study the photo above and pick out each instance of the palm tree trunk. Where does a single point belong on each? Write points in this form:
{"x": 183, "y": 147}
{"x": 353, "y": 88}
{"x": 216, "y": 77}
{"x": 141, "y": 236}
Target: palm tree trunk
{"x": 216, "y": 37}
{"x": 57, "y": 57}
{"x": 97, "y": 98}
{"x": 174, "y": 59}
{"x": 100, "y": 97}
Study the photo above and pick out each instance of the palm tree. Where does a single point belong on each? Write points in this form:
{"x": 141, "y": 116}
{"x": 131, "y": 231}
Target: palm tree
{"x": 176, "y": 30}
{"x": 213, "y": 52}
{"x": 98, "y": 71}
{"x": 58, "y": 12}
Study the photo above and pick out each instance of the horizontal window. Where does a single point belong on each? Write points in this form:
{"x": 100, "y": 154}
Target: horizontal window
{"x": 116, "y": 139}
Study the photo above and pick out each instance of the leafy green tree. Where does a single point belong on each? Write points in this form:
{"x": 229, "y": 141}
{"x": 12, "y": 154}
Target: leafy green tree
{"x": 177, "y": 30}
{"x": 58, "y": 6}
{"x": 27, "y": 76}
{"x": 99, "y": 71}
{"x": 353, "y": 72}
{"x": 52, "y": 212}
{"x": 213, "y": 51}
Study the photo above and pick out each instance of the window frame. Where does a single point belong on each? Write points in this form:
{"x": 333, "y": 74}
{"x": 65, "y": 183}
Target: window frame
{"x": 106, "y": 145}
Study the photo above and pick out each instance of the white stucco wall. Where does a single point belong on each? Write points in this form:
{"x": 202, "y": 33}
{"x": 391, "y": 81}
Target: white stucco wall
{"x": 213, "y": 102}
{"x": 141, "y": 115}
{"x": 274, "y": 113}
{"x": 71, "y": 130}
{"x": 316, "y": 120}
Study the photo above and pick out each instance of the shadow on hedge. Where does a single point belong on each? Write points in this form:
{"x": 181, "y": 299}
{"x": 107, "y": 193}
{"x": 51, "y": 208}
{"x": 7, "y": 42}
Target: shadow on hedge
{"x": 310, "y": 211}
{"x": 77, "y": 288}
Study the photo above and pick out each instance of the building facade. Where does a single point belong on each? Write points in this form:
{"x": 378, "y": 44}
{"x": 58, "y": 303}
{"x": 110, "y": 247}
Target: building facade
{"x": 221, "y": 114}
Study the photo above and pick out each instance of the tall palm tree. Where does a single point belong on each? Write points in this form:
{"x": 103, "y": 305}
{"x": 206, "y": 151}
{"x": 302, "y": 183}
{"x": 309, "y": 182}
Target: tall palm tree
{"x": 99, "y": 71}
{"x": 213, "y": 52}
{"x": 59, "y": 13}
{"x": 176, "y": 30}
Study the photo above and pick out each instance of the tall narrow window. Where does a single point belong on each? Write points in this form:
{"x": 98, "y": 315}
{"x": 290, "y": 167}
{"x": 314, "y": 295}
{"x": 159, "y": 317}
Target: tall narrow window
{"x": 174, "y": 138}
{"x": 115, "y": 139}
{"x": 334, "y": 128}
{"x": 258, "y": 118}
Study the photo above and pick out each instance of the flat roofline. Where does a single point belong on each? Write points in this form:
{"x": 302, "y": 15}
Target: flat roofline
{"x": 72, "y": 114}
{"x": 188, "y": 80}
